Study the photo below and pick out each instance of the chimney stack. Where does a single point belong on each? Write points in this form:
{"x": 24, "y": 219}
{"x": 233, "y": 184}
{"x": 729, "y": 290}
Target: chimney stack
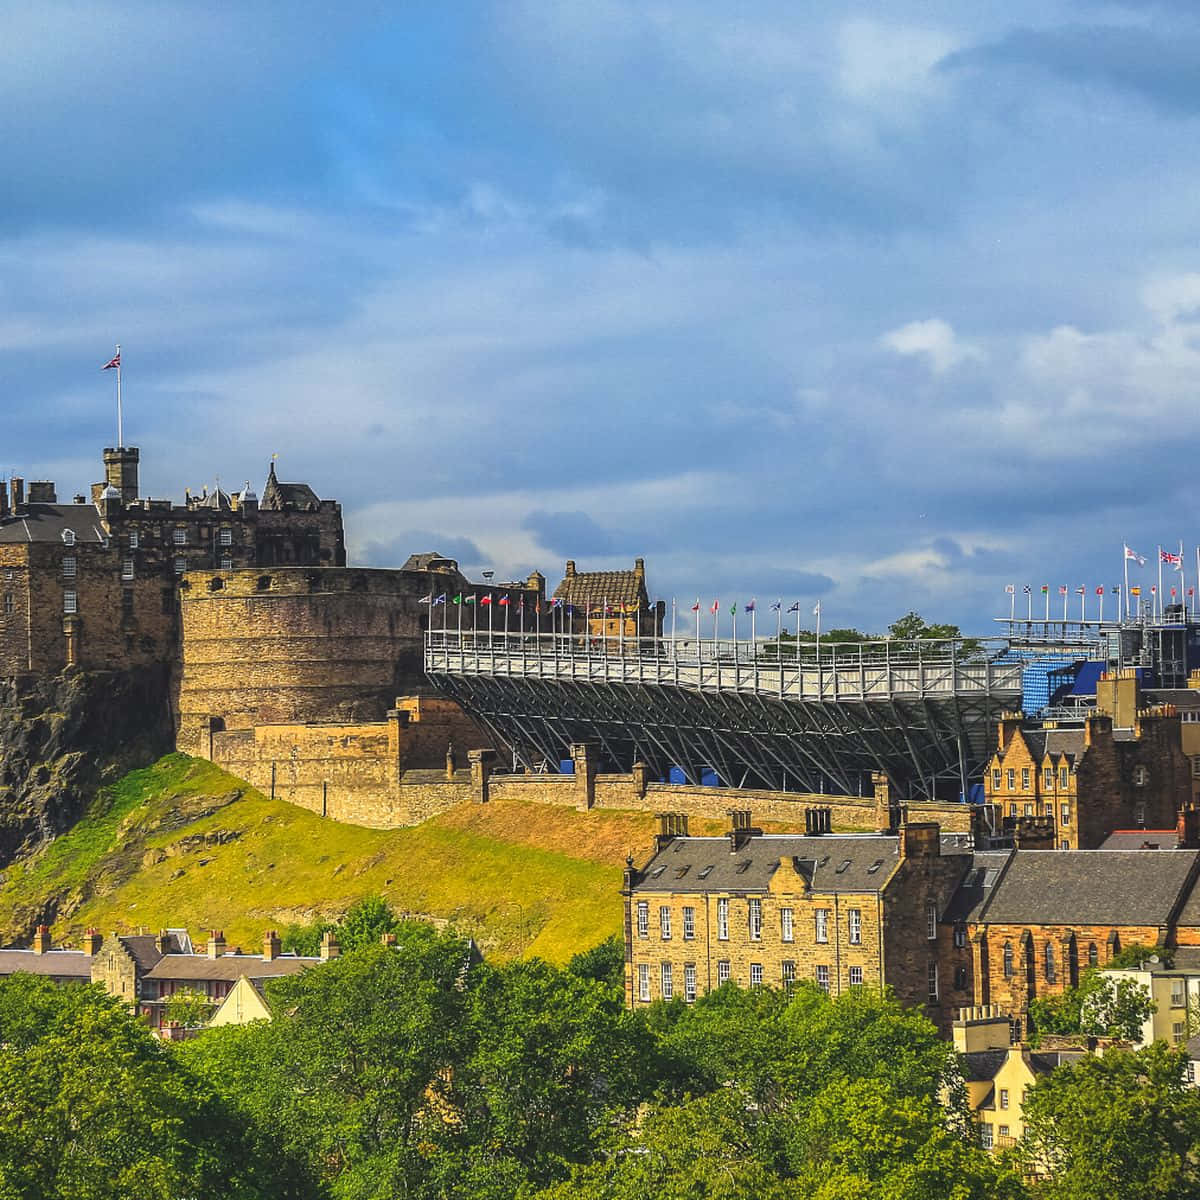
{"x": 3, "y": 498}
{"x": 741, "y": 831}
{"x": 16, "y": 489}
{"x": 920, "y": 839}
{"x": 163, "y": 941}
{"x": 270, "y": 946}
{"x": 329, "y": 946}
{"x": 42, "y": 491}
{"x": 818, "y": 821}
{"x": 1188, "y": 828}
{"x": 671, "y": 825}
{"x": 92, "y": 942}
{"x": 570, "y": 568}
{"x": 41, "y": 939}
{"x": 216, "y": 943}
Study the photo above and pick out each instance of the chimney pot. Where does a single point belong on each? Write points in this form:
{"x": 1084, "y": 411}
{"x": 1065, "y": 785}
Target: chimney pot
{"x": 270, "y": 946}
{"x": 41, "y": 939}
{"x": 216, "y": 943}
{"x": 329, "y": 946}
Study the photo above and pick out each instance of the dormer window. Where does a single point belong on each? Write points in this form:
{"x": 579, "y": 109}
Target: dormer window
{"x": 68, "y": 537}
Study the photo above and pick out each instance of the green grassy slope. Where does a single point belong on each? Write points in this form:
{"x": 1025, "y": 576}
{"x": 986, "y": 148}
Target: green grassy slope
{"x": 182, "y": 843}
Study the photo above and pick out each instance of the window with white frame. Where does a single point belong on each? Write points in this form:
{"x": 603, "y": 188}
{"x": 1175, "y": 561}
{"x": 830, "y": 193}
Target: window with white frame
{"x": 668, "y": 988}
{"x": 180, "y": 565}
{"x": 1004, "y": 1097}
{"x": 931, "y": 920}
{"x": 226, "y": 563}
{"x": 821, "y": 924}
{"x": 1178, "y": 1031}
{"x": 823, "y": 976}
{"x": 1024, "y": 779}
{"x": 8, "y": 604}
{"x": 787, "y": 971}
{"x": 643, "y": 918}
{"x": 996, "y": 780}
{"x": 723, "y": 919}
{"x": 1178, "y": 993}
{"x": 856, "y": 976}
{"x": 68, "y": 537}
{"x": 134, "y": 539}
{"x": 644, "y": 982}
{"x": 854, "y": 926}
{"x": 785, "y": 924}
{"x": 722, "y": 971}
{"x": 70, "y": 602}
{"x": 664, "y": 922}
{"x": 225, "y": 537}
{"x": 689, "y": 982}
{"x": 127, "y": 568}
{"x": 1066, "y": 814}
{"x": 1063, "y": 776}
{"x": 756, "y": 975}
{"x": 179, "y": 536}
{"x": 1048, "y": 777}
{"x": 986, "y": 1140}
{"x": 755, "y": 915}
{"x": 1011, "y": 778}
{"x": 689, "y": 923}
{"x": 68, "y": 566}
{"x": 933, "y": 981}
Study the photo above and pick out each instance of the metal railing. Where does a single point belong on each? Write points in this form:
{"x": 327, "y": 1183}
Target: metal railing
{"x": 788, "y": 670}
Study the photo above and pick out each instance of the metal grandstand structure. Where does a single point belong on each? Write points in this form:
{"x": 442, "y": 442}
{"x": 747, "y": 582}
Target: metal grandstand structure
{"x": 767, "y": 713}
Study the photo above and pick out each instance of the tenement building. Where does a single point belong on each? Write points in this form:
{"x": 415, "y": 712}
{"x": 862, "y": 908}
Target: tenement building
{"x": 95, "y": 582}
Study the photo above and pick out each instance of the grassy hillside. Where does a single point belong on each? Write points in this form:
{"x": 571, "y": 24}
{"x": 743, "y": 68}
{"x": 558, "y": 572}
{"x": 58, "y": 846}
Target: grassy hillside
{"x": 182, "y": 843}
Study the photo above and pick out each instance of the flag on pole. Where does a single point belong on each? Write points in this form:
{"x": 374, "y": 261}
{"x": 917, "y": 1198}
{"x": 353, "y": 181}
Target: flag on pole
{"x": 505, "y": 601}
{"x": 1135, "y": 591}
{"x": 733, "y": 609}
{"x": 1079, "y": 591}
{"x": 426, "y": 599}
{"x": 750, "y": 606}
{"x": 817, "y": 609}
{"x": 1137, "y": 558}
{"x": 1153, "y": 590}
{"x": 440, "y": 599}
{"x": 1010, "y": 589}
{"x": 696, "y": 606}
{"x": 795, "y": 607}
{"x": 1176, "y": 560}
{"x": 486, "y": 599}
{"x": 458, "y": 599}
{"x": 1027, "y": 589}
{"x": 471, "y": 599}
{"x": 716, "y": 607}
{"x": 115, "y": 361}
{"x": 1062, "y": 589}
{"x": 777, "y": 606}
{"x": 1045, "y": 589}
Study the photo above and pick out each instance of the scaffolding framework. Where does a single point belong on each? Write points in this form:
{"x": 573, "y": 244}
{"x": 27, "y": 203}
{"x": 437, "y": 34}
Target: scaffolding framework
{"x": 771, "y": 714}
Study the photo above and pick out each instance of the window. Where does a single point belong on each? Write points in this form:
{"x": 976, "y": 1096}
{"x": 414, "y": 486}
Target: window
{"x": 1024, "y": 779}
{"x": 755, "y": 919}
{"x": 1139, "y": 813}
{"x": 664, "y": 922}
{"x": 960, "y": 936}
{"x": 996, "y": 780}
{"x": 722, "y": 971}
{"x": 689, "y": 923}
{"x": 127, "y": 601}
{"x": 179, "y": 536}
{"x": 985, "y": 1135}
{"x": 134, "y": 540}
{"x": 788, "y": 973}
{"x": 180, "y": 565}
{"x": 1093, "y": 955}
{"x": 668, "y": 988}
{"x": 1048, "y": 777}
{"x": 644, "y": 982}
{"x": 756, "y": 975}
{"x": 68, "y": 566}
{"x": 70, "y": 602}
{"x": 643, "y": 918}
{"x": 854, "y": 923}
{"x": 1008, "y": 959}
{"x": 1002, "y": 1130}
{"x": 1050, "y": 971}
{"x": 1011, "y": 778}
{"x": 1141, "y": 776}
{"x": 8, "y": 603}
{"x": 931, "y": 916}
{"x": 1029, "y": 810}
{"x": 1050, "y": 809}
{"x": 1178, "y": 994}
{"x": 960, "y": 978}
{"x": 1065, "y": 810}
{"x": 1062, "y": 776}
{"x": 785, "y": 924}
{"x": 823, "y": 977}
{"x": 226, "y": 563}
{"x": 225, "y": 537}
{"x": 127, "y": 569}
{"x": 856, "y": 976}
{"x": 821, "y": 921}
{"x": 1191, "y": 1071}
{"x": 933, "y": 981}
{"x": 723, "y": 919}
{"x": 68, "y": 537}
{"x": 1064, "y": 844}
{"x": 1178, "y": 1029}
{"x": 689, "y": 982}
{"x": 1004, "y": 1097}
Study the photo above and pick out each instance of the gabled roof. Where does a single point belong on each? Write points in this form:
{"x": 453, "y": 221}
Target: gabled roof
{"x": 987, "y": 866}
{"x": 144, "y": 948}
{"x": 1141, "y": 839}
{"x": 278, "y": 496}
{"x": 1068, "y": 742}
{"x": 228, "y": 966}
{"x": 592, "y": 589}
{"x": 47, "y": 523}
{"x": 979, "y": 1065}
{"x": 68, "y": 964}
{"x": 1091, "y": 887}
{"x": 831, "y": 863}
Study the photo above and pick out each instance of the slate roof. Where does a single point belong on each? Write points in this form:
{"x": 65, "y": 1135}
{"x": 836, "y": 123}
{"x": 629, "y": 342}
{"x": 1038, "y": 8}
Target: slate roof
{"x": 144, "y": 948}
{"x": 228, "y": 966}
{"x": 831, "y": 863}
{"x": 1141, "y": 839}
{"x": 1090, "y": 887}
{"x": 46, "y": 523}
{"x": 1193, "y": 1048}
{"x": 277, "y": 496}
{"x": 1065, "y": 741}
{"x": 1044, "y": 1061}
{"x": 1189, "y": 914}
{"x": 591, "y": 589}
{"x": 987, "y": 866}
{"x": 979, "y": 1065}
{"x": 72, "y": 964}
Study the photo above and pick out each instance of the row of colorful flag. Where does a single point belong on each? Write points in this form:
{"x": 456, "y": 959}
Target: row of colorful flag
{"x": 1134, "y": 590}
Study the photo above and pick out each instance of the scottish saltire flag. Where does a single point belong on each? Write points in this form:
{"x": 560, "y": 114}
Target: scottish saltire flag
{"x": 440, "y": 599}
{"x": 795, "y": 607}
{"x": 777, "y": 606}
{"x": 1027, "y": 590}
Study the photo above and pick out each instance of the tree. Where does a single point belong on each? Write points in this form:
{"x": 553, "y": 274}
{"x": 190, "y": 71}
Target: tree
{"x": 1123, "y": 1126}
{"x": 604, "y": 963}
{"x": 93, "y": 1107}
{"x": 188, "y": 1008}
{"x": 1098, "y": 1007}
{"x": 366, "y": 921}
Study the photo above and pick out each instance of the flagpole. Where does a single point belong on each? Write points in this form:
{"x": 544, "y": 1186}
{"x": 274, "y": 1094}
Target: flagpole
{"x": 697, "y": 626}
{"x": 1101, "y": 606}
{"x": 1158, "y": 604}
{"x": 1066, "y": 597}
{"x": 1046, "y": 593}
{"x": 1029, "y": 604}
{"x": 1012, "y": 607}
{"x": 1182, "y": 579}
{"x": 1082, "y": 606}
{"x": 1127, "y": 582}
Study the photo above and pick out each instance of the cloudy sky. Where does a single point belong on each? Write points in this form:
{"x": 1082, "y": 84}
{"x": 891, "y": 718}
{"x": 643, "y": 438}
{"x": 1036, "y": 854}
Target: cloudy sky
{"x": 889, "y": 309}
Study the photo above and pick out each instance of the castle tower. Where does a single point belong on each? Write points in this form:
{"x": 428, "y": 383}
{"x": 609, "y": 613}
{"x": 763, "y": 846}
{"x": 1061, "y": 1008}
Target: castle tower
{"x": 121, "y": 470}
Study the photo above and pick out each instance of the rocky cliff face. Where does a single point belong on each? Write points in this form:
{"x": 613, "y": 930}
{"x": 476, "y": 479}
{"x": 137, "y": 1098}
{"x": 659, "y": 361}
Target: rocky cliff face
{"x": 61, "y": 737}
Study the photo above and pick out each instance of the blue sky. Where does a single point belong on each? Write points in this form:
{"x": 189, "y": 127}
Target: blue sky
{"x": 891, "y": 308}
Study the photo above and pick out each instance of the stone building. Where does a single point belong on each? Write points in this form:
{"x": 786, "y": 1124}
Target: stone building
{"x": 841, "y": 910}
{"x": 1123, "y": 768}
{"x": 94, "y": 583}
{"x": 613, "y": 604}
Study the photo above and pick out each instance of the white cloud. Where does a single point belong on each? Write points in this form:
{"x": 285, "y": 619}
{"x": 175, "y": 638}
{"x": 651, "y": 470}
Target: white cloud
{"x": 934, "y": 338}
